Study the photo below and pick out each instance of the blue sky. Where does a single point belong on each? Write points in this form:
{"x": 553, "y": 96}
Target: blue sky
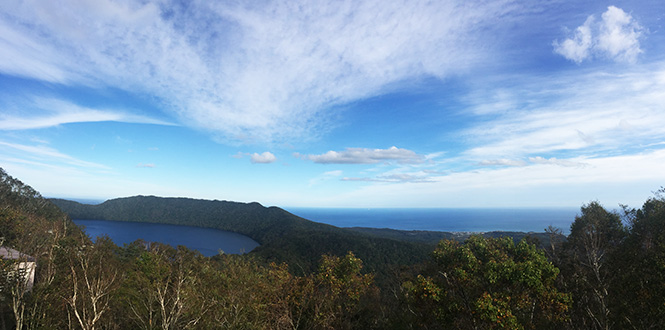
{"x": 336, "y": 103}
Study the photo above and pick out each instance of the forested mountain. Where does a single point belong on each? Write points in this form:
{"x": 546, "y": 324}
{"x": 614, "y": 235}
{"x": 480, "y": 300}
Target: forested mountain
{"x": 251, "y": 219}
{"x": 284, "y": 237}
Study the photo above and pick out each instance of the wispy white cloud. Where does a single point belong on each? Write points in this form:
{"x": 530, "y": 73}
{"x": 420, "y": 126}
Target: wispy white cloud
{"x": 579, "y": 114}
{"x": 615, "y": 36}
{"x": 45, "y": 154}
{"x": 53, "y": 112}
{"x": 502, "y": 162}
{"x": 395, "y": 176}
{"x": 366, "y": 156}
{"x": 555, "y": 161}
{"x": 263, "y": 158}
{"x": 531, "y": 161}
{"x": 146, "y": 165}
{"x": 245, "y": 71}
{"x": 326, "y": 176}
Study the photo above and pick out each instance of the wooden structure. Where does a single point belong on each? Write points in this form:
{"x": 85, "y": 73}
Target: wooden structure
{"x": 25, "y": 265}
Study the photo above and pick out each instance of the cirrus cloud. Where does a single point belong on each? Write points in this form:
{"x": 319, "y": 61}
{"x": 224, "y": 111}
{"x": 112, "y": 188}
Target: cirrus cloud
{"x": 245, "y": 71}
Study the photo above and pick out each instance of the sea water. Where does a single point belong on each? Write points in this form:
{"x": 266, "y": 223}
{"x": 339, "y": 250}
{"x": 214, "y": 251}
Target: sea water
{"x": 444, "y": 219}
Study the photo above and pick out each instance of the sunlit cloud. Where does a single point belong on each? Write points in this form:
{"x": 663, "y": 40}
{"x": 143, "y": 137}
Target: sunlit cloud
{"x": 615, "y": 36}
{"x": 263, "y": 158}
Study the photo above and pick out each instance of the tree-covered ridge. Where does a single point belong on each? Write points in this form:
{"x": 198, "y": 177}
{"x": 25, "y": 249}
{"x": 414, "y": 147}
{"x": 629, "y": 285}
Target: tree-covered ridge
{"x": 284, "y": 237}
{"x": 251, "y": 219}
{"x": 17, "y": 195}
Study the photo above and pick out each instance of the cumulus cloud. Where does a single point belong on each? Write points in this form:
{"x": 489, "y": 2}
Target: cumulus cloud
{"x": 264, "y": 158}
{"x": 366, "y": 156}
{"x": 244, "y": 71}
{"x": 616, "y": 36}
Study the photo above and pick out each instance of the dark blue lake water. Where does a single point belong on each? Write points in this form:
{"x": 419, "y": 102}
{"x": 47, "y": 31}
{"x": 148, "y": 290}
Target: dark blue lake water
{"x": 452, "y": 220}
{"x": 208, "y": 241}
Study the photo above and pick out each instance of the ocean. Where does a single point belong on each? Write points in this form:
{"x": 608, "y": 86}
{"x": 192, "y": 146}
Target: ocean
{"x": 444, "y": 219}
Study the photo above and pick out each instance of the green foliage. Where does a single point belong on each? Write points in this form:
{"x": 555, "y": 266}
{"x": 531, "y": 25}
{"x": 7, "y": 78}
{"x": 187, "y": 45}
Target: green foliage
{"x": 489, "y": 283}
{"x": 640, "y": 268}
{"x": 589, "y": 264}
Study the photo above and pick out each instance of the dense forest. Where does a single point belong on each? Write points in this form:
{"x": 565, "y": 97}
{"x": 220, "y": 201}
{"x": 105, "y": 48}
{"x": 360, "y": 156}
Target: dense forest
{"x": 608, "y": 273}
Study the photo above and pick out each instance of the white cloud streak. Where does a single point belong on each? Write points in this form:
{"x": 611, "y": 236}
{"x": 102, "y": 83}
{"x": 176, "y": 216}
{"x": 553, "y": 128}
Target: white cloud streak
{"x": 502, "y": 162}
{"x": 326, "y": 176}
{"x": 55, "y": 112}
{"x": 366, "y": 156}
{"x": 616, "y": 36}
{"x": 244, "y": 71}
{"x": 43, "y": 153}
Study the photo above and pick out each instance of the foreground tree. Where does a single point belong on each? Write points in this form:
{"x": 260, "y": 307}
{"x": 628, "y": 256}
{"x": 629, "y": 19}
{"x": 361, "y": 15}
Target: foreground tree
{"x": 640, "y": 269}
{"x": 163, "y": 289}
{"x": 336, "y": 297}
{"x": 93, "y": 278}
{"x": 594, "y": 238}
{"x": 488, "y": 284}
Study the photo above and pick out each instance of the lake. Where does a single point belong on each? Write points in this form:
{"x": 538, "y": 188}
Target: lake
{"x": 208, "y": 241}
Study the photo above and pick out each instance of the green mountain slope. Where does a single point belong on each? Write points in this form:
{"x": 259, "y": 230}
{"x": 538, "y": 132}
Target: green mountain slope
{"x": 252, "y": 219}
{"x": 284, "y": 237}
